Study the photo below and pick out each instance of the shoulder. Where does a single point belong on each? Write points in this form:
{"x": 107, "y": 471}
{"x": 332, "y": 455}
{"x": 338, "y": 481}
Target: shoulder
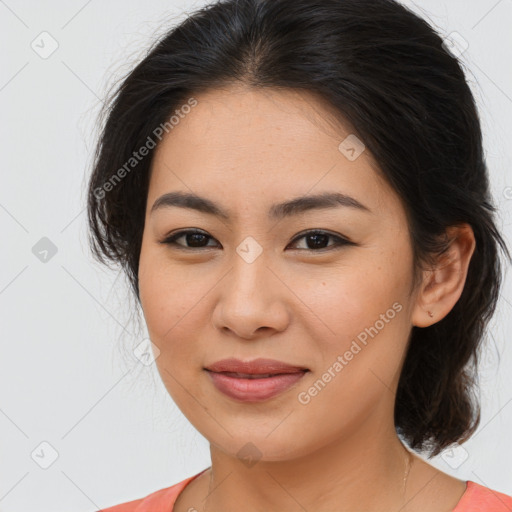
{"x": 479, "y": 498}
{"x": 159, "y": 501}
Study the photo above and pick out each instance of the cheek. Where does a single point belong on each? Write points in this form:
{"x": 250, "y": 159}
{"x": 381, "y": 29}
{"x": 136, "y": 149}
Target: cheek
{"x": 170, "y": 307}
{"x": 349, "y": 300}
{"x": 365, "y": 310}
{"x": 175, "y": 305}
{"x": 357, "y": 363}
{"x": 167, "y": 293}
{"x": 163, "y": 306}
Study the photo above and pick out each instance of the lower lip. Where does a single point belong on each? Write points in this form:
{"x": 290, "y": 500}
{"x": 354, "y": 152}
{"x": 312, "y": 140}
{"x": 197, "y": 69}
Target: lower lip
{"x": 254, "y": 390}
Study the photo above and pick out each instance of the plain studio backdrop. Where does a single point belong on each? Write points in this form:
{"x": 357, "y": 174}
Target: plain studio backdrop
{"x": 84, "y": 424}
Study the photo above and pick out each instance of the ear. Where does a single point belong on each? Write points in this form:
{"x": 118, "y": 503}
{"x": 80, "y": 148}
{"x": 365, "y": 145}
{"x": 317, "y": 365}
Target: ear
{"x": 442, "y": 286}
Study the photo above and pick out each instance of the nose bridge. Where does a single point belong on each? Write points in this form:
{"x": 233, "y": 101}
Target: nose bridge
{"x": 250, "y": 263}
{"x": 259, "y": 283}
{"x": 250, "y": 300}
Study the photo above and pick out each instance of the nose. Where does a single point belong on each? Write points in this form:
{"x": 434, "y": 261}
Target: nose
{"x": 252, "y": 300}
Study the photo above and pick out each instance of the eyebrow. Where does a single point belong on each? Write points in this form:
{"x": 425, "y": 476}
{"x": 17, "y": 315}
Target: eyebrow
{"x": 277, "y": 211}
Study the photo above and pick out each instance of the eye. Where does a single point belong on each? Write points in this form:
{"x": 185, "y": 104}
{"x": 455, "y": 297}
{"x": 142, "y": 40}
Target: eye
{"x": 192, "y": 236}
{"x": 315, "y": 240}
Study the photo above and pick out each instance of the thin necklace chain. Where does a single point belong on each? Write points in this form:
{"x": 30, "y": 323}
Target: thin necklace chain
{"x": 408, "y": 465}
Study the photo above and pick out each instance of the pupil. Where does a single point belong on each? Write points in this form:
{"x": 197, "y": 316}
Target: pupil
{"x": 316, "y": 237}
{"x": 318, "y": 240}
{"x": 195, "y": 237}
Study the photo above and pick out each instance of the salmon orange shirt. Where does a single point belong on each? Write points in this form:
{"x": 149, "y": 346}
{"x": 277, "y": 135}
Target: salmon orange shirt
{"x": 477, "y": 498}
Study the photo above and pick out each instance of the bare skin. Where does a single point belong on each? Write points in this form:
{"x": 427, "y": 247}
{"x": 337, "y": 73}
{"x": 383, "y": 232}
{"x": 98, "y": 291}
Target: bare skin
{"x": 337, "y": 449}
{"x": 428, "y": 489}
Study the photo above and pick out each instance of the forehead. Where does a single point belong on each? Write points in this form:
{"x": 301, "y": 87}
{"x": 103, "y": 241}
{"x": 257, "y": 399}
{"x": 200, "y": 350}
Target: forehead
{"x": 268, "y": 119}
{"x": 238, "y": 143}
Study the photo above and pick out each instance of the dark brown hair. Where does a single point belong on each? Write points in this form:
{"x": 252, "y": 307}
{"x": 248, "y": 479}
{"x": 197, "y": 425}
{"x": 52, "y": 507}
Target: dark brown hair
{"x": 384, "y": 71}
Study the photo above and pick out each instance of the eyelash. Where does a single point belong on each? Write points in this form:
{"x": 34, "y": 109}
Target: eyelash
{"x": 339, "y": 241}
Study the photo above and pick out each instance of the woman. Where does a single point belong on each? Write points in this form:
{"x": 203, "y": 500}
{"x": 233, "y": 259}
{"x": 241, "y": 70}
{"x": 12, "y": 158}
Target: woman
{"x": 297, "y": 193}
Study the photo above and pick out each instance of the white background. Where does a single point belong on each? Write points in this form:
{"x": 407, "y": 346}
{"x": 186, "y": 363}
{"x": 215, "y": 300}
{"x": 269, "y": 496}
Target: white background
{"x": 67, "y": 372}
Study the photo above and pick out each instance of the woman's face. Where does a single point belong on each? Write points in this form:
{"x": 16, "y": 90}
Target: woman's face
{"x": 252, "y": 285}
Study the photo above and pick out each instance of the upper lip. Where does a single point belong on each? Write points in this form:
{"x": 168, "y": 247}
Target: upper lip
{"x": 254, "y": 367}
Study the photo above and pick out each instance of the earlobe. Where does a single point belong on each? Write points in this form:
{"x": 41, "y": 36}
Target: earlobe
{"x": 443, "y": 285}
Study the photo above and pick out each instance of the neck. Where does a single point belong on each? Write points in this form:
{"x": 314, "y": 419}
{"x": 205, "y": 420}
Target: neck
{"x": 366, "y": 470}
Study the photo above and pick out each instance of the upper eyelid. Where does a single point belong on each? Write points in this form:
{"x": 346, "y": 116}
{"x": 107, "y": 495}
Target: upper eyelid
{"x": 302, "y": 234}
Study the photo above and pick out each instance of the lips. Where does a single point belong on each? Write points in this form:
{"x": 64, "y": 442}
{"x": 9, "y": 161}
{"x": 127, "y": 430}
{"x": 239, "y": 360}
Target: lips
{"x": 251, "y": 375}
{"x": 255, "y": 367}
{"x": 254, "y": 381}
